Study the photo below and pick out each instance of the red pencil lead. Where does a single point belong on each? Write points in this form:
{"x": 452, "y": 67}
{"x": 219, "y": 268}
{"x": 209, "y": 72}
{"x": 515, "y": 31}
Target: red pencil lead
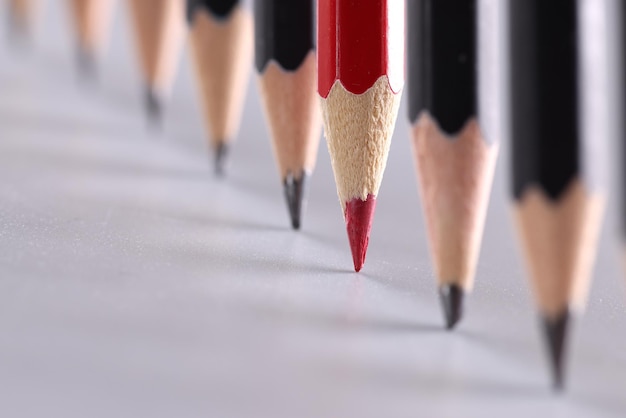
{"x": 359, "y": 215}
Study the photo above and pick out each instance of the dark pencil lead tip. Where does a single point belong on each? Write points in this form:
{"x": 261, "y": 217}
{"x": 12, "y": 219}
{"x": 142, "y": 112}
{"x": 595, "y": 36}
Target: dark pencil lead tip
{"x": 295, "y": 193}
{"x": 221, "y": 158}
{"x": 451, "y": 296}
{"x": 153, "y": 105}
{"x": 556, "y": 337}
{"x": 86, "y": 62}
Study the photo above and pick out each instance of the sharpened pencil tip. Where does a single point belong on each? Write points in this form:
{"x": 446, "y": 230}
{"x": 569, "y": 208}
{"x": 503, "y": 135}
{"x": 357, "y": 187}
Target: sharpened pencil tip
{"x": 153, "y": 105}
{"x": 295, "y": 194}
{"x": 86, "y": 63}
{"x": 221, "y": 158}
{"x": 555, "y": 329}
{"x": 451, "y": 296}
{"x": 359, "y": 215}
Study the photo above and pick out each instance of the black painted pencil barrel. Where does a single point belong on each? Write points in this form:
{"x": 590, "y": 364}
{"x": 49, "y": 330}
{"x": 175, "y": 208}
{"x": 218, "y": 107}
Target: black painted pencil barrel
{"x": 442, "y": 61}
{"x": 218, "y": 8}
{"x": 544, "y": 90}
{"x": 284, "y": 32}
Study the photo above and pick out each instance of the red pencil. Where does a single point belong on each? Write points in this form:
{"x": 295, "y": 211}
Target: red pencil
{"x": 361, "y": 75}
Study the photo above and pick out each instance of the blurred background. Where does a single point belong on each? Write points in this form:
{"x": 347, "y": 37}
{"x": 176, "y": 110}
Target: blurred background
{"x": 135, "y": 283}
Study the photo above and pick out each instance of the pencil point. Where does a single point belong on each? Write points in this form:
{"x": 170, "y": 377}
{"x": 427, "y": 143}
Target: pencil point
{"x": 556, "y": 337}
{"x": 295, "y": 193}
{"x": 221, "y": 158}
{"x": 359, "y": 215}
{"x": 451, "y": 296}
{"x": 153, "y": 105}
{"x": 86, "y": 63}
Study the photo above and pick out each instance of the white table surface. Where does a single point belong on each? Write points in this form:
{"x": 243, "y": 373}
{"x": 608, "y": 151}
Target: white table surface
{"x": 135, "y": 284}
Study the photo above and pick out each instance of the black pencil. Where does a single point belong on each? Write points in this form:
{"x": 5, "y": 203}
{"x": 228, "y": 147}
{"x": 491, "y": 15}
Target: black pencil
{"x": 558, "y": 207}
{"x": 222, "y": 42}
{"x": 285, "y": 62}
{"x": 454, "y": 160}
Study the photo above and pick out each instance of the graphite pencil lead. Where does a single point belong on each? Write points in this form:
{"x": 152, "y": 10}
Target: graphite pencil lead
{"x": 452, "y": 296}
{"x": 359, "y": 215}
{"x": 295, "y": 194}
{"x": 221, "y": 158}
{"x": 555, "y": 329}
{"x": 154, "y": 107}
{"x": 86, "y": 62}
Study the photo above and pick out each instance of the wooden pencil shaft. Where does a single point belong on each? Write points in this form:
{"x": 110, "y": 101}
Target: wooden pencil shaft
{"x": 358, "y": 133}
{"x": 222, "y": 53}
{"x": 285, "y": 59}
{"x": 455, "y": 175}
{"x": 92, "y": 19}
{"x": 293, "y": 113}
{"x": 442, "y": 60}
{"x": 159, "y": 27}
{"x": 284, "y": 32}
{"x": 558, "y": 239}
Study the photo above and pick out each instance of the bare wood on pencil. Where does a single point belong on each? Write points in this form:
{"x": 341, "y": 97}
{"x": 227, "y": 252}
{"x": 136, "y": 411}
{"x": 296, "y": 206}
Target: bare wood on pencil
{"x": 92, "y": 19}
{"x": 292, "y": 108}
{"x": 23, "y": 12}
{"x": 358, "y": 129}
{"x": 559, "y": 239}
{"x": 222, "y": 53}
{"x": 159, "y": 26}
{"x": 455, "y": 176}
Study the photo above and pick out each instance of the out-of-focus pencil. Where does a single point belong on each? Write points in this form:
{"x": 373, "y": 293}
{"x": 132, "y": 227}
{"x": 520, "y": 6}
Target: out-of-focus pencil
{"x": 159, "y": 26}
{"x": 361, "y": 76}
{"x": 619, "y": 54}
{"x": 222, "y": 42}
{"x": 22, "y": 15}
{"x": 285, "y": 61}
{"x": 557, "y": 206}
{"x": 454, "y": 160}
{"x": 92, "y": 19}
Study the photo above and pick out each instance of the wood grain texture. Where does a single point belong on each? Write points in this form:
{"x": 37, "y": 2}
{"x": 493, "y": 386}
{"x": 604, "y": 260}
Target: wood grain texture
{"x": 455, "y": 175}
{"x": 559, "y": 240}
{"x": 159, "y": 26}
{"x": 293, "y": 112}
{"x": 91, "y": 19}
{"x": 358, "y": 129}
{"x": 222, "y": 52}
